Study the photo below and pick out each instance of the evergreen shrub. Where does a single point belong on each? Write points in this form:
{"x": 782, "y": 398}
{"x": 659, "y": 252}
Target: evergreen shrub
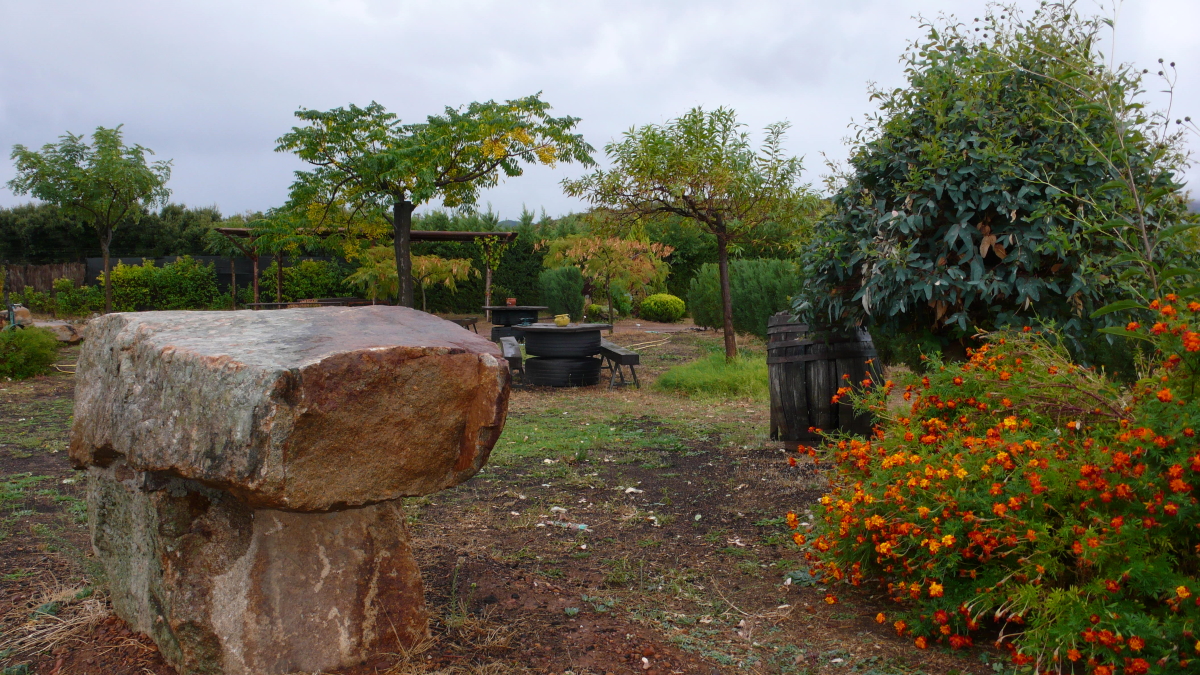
{"x": 561, "y": 290}
{"x": 1023, "y": 493}
{"x": 662, "y": 307}
{"x": 759, "y": 288}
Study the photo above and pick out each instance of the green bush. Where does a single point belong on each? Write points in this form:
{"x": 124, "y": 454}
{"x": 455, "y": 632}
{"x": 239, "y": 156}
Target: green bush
{"x": 26, "y": 352}
{"x": 745, "y": 377}
{"x": 132, "y": 286}
{"x": 72, "y": 301}
{"x": 759, "y": 289}
{"x": 307, "y": 279}
{"x": 597, "y": 312}
{"x": 662, "y": 307}
{"x": 185, "y": 284}
{"x": 562, "y": 291}
{"x": 34, "y": 300}
{"x": 1018, "y": 493}
{"x": 964, "y": 204}
{"x": 182, "y": 284}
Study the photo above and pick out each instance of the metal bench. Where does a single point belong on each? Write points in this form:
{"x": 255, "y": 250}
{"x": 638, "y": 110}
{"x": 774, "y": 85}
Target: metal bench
{"x": 512, "y": 353}
{"x": 616, "y": 357}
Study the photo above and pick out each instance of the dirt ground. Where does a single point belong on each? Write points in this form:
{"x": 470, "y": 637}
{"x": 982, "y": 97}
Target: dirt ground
{"x": 685, "y": 564}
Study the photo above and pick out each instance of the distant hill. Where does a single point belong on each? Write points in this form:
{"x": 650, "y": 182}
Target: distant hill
{"x": 1194, "y": 206}
{"x": 512, "y": 224}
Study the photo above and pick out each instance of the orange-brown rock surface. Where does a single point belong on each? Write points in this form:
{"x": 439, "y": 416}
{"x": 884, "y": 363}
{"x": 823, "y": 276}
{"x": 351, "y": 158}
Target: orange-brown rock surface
{"x": 296, "y": 409}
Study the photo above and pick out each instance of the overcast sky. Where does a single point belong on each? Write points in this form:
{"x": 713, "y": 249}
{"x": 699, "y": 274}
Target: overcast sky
{"x": 212, "y": 84}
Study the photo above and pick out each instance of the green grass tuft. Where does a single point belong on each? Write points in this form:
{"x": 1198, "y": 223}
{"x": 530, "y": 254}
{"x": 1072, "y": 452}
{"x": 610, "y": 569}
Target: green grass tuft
{"x": 712, "y": 376}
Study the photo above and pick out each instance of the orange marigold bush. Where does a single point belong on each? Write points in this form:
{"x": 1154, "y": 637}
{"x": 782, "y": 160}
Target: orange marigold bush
{"x": 1021, "y": 493}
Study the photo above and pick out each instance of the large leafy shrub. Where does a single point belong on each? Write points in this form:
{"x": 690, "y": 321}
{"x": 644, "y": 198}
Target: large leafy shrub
{"x": 183, "y": 284}
{"x": 307, "y": 279}
{"x": 1020, "y": 491}
{"x": 26, "y": 352}
{"x": 562, "y": 290}
{"x": 34, "y": 300}
{"x": 70, "y": 300}
{"x": 1016, "y": 179}
{"x": 662, "y": 307}
{"x": 759, "y": 288}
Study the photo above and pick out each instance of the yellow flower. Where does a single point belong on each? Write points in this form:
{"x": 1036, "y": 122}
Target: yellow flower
{"x": 935, "y": 590}
{"x": 1183, "y": 592}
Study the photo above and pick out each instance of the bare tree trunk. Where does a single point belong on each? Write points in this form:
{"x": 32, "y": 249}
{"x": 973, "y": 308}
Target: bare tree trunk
{"x": 105, "y": 240}
{"x": 255, "y": 261}
{"x": 487, "y": 293}
{"x": 233, "y": 280}
{"x": 726, "y": 298}
{"x": 402, "y": 228}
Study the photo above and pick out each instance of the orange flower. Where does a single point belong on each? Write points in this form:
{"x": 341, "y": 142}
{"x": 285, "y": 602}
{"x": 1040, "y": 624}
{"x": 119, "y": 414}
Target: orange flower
{"x": 1005, "y": 376}
{"x": 958, "y": 381}
{"x": 1074, "y": 655}
{"x": 1191, "y": 341}
{"x": 900, "y": 627}
{"x": 1183, "y": 592}
{"x": 792, "y": 520}
{"x": 1164, "y": 395}
{"x": 921, "y": 643}
{"x": 1137, "y": 667}
{"x": 1194, "y": 306}
{"x": 798, "y": 538}
{"x": 1132, "y": 326}
{"x": 1136, "y": 643}
{"x": 880, "y": 618}
{"x": 1158, "y": 328}
{"x": 791, "y": 461}
{"x": 936, "y": 590}
{"x": 830, "y": 599}
{"x": 1026, "y": 329}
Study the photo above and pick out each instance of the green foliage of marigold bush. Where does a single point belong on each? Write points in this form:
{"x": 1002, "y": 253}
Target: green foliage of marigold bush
{"x": 662, "y": 307}
{"x": 1022, "y": 492}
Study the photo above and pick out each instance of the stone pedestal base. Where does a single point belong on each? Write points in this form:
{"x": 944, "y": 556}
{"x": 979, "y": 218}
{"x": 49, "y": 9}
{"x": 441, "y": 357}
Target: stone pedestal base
{"x": 225, "y": 588}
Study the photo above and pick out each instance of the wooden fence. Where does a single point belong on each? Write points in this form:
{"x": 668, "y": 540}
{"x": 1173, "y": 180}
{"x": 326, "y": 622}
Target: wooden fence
{"x": 41, "y": 277}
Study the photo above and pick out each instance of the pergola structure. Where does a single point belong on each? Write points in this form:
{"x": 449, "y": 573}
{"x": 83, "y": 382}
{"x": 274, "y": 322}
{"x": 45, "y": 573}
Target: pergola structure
{"x": 236, "y": 233}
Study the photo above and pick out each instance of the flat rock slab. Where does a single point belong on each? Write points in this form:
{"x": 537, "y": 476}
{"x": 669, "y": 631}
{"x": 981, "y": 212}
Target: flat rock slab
{"x": 225, "y": 588}
{"x": 295, "y": 409}
{"x": 65, "y": 332}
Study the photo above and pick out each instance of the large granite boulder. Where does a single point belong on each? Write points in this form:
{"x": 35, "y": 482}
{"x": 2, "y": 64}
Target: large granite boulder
{"x": 225, "y": 588}
{"x": 244, "y": 470}
{"x": 295, "y": 409}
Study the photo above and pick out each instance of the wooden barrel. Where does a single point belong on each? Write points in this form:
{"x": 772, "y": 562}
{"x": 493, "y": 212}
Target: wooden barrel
{"x": 805, "y": 367}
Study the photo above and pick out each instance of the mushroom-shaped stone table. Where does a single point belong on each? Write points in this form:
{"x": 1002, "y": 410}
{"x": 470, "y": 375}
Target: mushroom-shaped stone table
{"x": 244, "y": 471}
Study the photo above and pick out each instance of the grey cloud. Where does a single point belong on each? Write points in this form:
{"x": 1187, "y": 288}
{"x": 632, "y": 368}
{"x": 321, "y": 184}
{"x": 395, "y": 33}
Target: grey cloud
{"x": 213, "y": 84}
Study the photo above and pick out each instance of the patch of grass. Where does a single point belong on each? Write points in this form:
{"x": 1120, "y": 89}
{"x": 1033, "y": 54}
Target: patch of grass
{"x": 713, "y": 377}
